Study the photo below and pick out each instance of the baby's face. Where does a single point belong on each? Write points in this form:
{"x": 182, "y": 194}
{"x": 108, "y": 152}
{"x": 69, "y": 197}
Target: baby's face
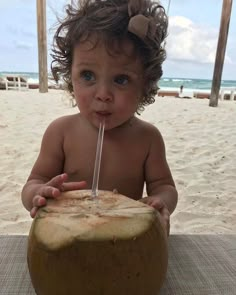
{"x": 106, "y": 86}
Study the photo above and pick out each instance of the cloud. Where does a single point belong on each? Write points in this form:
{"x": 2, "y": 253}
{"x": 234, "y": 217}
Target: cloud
{"x": 189, "y": 42}
{"x": 23, "y": 45}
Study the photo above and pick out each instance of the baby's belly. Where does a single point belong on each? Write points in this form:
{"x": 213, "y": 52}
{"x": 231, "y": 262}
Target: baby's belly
{"x": 129, "y": 185}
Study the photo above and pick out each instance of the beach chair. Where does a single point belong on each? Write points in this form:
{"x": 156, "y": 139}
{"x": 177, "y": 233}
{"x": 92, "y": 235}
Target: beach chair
{"x": 16, "y": 82}
{"x": 227, "y": 93}
{"x": 168, "y": 93}
{"x": 2, "y": 83}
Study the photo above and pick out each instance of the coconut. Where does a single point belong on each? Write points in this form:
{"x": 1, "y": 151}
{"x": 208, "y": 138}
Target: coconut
{"x": 109, "y": 245}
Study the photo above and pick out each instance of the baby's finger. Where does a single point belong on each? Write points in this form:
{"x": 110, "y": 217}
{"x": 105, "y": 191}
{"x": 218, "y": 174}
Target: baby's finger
{"x": 70, "y": 186}
{"x": 166, "y": 219}
{"x": 155, "y": 203}
{"x": 158, "y": 205}
{"x": 58, "y": 180}
{"x": 166, "y": 224}
{"x": 165, "y": 213}
{"x": 39, "y": 201}
{"x": 146, "y": 200}
{"x": 33, "y": 211}
{"x": 49, "y": 192}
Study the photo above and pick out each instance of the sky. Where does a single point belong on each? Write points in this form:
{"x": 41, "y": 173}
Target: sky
{"x": 191, "y": 43}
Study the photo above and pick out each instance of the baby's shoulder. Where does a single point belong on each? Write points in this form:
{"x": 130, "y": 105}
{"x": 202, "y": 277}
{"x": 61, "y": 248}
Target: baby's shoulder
{"x": 62, "y": 124}
{"x": 151, "y": 137}
{"x": 147, "y": 128}
{"x": 64, "y": 121}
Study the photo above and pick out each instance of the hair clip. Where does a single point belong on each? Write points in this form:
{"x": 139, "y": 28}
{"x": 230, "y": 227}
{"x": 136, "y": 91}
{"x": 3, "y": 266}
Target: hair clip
{"x": 143, "y": 26}
{"x": 139, "y": 25}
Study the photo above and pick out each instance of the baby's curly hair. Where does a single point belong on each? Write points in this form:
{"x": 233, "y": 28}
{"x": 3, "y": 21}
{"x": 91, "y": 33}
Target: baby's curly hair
{"x": 114, "y": 21}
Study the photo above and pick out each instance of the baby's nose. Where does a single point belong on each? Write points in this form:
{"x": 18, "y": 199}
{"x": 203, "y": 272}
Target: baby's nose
{"x": 104, "y": 93}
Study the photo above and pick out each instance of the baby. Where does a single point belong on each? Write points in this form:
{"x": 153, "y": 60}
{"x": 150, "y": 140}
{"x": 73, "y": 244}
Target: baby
{"x": 110, "y": 54}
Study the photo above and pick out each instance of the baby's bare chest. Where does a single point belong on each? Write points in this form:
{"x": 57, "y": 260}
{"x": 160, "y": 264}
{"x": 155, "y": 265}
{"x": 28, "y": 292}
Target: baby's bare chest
{"x": 122, "y": 163}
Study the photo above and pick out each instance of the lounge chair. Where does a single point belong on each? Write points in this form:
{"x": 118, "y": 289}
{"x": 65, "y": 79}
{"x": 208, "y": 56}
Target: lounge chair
{"x": 15, "y": 82}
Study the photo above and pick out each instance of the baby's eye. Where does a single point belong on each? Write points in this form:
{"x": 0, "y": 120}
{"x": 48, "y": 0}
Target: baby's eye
{"x": 87, "y": 75}
{"x": 122, "y": 79}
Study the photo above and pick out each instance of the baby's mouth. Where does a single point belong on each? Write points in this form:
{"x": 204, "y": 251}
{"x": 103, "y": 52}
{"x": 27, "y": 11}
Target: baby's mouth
{"x": 103, "y": 113}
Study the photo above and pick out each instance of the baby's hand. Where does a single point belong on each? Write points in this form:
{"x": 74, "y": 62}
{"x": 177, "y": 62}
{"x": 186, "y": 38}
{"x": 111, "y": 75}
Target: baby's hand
{"x": 160, "y": 206}
{"x": 52, "y": 189}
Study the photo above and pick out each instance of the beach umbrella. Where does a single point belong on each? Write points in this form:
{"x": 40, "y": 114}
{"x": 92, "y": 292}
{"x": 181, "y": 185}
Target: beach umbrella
{"x": 220, "y": 53}
{"x": 42, "y": 46}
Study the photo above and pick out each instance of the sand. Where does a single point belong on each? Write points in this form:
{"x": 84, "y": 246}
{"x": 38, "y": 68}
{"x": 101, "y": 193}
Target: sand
{"x": 200, "y": 146}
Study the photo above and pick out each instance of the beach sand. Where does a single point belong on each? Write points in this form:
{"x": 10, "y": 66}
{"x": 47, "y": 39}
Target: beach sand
{"x": 200, "y": 146}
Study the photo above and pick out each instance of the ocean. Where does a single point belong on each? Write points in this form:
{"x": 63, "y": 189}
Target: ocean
{"x": 200, "y": 85}
{"x": 166, "y": 83}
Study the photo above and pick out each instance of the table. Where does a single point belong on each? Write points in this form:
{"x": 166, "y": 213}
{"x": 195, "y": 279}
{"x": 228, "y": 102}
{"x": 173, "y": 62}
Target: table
{"x": 198, "y": 265}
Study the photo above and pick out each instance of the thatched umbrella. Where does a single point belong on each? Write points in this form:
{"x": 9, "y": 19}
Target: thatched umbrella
{"x": 220, "y": 53}
{"x": 42, "y": 46}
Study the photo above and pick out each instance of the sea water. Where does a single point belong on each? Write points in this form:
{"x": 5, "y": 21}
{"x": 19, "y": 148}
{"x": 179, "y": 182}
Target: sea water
{"x": 165, "y": 83}
{"x": 198, "y": 84}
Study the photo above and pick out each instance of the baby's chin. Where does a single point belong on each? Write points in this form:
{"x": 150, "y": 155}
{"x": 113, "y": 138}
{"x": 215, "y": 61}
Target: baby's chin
{"x": 110, "y": 122}
{"x": 118, "y": 125}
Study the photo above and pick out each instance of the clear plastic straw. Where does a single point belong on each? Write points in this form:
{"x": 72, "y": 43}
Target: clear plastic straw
{"x": 96, "y": 172}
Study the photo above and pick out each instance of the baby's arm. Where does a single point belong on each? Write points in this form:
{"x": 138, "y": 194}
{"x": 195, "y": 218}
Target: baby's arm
{"x": 162, "y": 194}
{"x": 47, "y": 179}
